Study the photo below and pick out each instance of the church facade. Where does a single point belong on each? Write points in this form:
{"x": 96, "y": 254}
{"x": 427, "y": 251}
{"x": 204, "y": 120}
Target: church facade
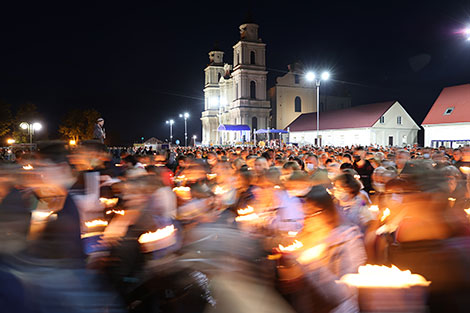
{"x": 235, "y": 96}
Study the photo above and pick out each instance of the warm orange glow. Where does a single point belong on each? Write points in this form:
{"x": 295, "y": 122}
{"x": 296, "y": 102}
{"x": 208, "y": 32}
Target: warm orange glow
{"x": 28, "y": 167}
{"x": 219, "y": 190}
{"x": 292, "y": 247}
{"x": 211, "y": 176}
{"x": 465, "y": 170}
{"x": 383, "y": 276}
{"x": 245, "y": 218}
{"x": 451, "y": 199}
{"x": 312, "y": 254}
{"x": 358, "y": 177}
{"x": 119, "y": 212}
{"x": 109, "y": 202}
{"x": 157, "y": 235}
{"x": 96, "y": 223}
{"x": 246, "y": 211}
{"x": 467, "y": 211}
{"x": 374, "y": 208}
{"x": 10, "y": 141}
{"x": 180, "y": 178}
{"x": 183, "y": 192}
{"x": 72, "y": 142}
{"x": 385, "y": 214}
{"x": 277, "y": 187}
{"x": 292, "y": 233}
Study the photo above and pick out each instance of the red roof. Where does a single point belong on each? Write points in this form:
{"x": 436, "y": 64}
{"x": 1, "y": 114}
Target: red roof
{"x": 456, "y": 97}
{"x": 355, "y": 117}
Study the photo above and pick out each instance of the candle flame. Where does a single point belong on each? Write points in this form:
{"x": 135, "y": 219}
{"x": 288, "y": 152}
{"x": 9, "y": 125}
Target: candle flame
{"x": 246, "y": 211}
{"x": 211, "y": 176}
{"x": 383, "y": 276}
{"x": 465, "y": 169}
{"x": 277, "y": 187}
{"x": 292, "y": 247}
{"x": 292, "y": 233}
{"x": 157, "y": 235}
{"x": 109, "y": 201}
{"x": 451, "y": 199}
{"x": 28, "y": 167}
{"x": 183, "y": 192}
{"x": 96, "y": 223}
{"x": 374, "y": 208}
{"x": 385, "y": 214}
{"x": 249, "y": 217}
{"x": 219, "y": 190}
{"x": 312, "y": 253}
{"x": 467, "y": 211}
{"x": 119, "y": 212}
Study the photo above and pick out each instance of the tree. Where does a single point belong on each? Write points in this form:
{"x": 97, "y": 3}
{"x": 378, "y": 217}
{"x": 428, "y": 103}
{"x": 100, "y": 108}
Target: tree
{"x": 6, "y": 118}
{"x": 79, "y": 124}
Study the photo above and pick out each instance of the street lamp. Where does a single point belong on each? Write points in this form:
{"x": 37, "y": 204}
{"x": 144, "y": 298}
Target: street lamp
{"x": 310, "y": 76}
{"x": 185, "y": 116}
{"x": 31, "y": 128}
{"x": 467, "y": 33}
{"x": 171, "y": 122}
{"x": 10, "y": 141}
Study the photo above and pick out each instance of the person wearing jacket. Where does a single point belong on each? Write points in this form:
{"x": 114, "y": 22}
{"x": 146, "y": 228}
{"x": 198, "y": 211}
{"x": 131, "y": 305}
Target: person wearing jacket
{"x": 99, "y": 132}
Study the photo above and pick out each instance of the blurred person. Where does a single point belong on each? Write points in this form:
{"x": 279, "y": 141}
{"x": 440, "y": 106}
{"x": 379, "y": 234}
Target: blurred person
{"x": 353, "y": 206}
{"x": 99, "y": 132}
{"x": 340, "y": 251}
{"x": 363, "y": 168}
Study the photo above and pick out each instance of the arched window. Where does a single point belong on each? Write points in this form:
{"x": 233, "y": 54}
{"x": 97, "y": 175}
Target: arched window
{"x": 298, "y": 104}
{"x": 238, "y": 58}
{"x": 252, "y": 57}
{"x": 252, "y": 90}
{"x": 218, "y": 77}
{"x": 254, "y": 123}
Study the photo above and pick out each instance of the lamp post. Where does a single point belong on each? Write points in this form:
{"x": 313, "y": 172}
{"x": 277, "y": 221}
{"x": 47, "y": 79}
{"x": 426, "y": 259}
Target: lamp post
{"x": 31, "y": 127}
{"x": 312, "y": 77}
{"x": 185, "y": 116}
{"x": 171, "y": 122}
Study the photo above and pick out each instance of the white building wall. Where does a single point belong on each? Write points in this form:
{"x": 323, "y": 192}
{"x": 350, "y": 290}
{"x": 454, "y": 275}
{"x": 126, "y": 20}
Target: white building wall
{"x": 334, "y": 137}
{"x": 456, "y": 131}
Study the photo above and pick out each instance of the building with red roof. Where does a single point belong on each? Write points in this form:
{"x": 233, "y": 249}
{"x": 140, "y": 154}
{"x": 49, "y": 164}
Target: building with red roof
{"x": 448, "y": 121}
{"x": 384, "y": 124}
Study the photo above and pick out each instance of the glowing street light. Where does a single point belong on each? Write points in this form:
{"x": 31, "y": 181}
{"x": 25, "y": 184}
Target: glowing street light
{"x": 171, "y": 122}
{"x": 72, "y": 142}
{"x": 31, "y": 128}
{"x": 310, "y": 76}
{"x": 185, "y": 116}
{"x": 10, "y": 141}
{"x": 466, "y": 32}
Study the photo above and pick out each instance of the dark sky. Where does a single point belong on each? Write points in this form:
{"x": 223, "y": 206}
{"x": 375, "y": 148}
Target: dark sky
{"x": 140, "y": 63}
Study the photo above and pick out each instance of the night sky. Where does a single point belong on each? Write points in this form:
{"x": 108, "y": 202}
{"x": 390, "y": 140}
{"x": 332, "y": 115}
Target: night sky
{"x": 140, "y": 63}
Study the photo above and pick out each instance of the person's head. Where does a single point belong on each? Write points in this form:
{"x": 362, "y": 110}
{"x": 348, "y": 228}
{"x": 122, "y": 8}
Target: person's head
{"x": 346, "y": 187}
{"x": 381, "y": 176}
{"x": 402, "y": 157}
{"x": 212, "y": 158}
{"x": 320, "y": 211}
{"x": 311, "y": 162}
{"x": 261, "y": 166}
{"x": 359, "y": 154}
{"x": 346, "y": 158}
{"x": 100, "y": 121}
{"x": 453, "y": 176}
{"x": 457, "y": 155}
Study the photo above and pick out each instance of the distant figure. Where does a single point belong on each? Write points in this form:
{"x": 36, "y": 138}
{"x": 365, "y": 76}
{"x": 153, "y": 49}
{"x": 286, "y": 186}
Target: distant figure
{"x": 99, "y": 132}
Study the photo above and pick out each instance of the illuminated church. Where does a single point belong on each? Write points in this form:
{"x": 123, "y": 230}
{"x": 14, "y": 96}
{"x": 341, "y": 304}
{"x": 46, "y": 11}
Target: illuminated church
{"x": 235, "y": 97}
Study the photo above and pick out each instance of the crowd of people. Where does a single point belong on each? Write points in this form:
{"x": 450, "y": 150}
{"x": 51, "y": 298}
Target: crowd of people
{"x": 228, "y": 229}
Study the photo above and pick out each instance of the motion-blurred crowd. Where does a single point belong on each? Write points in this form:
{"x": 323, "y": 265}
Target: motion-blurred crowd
{"x": 228, "y": 229}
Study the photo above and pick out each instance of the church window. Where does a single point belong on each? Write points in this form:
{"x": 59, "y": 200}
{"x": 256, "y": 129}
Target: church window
{"x": 252, "y": 90}
{"x": 252, "y": 57}
{"x": 297, "y": 78}
{"x": 254, "y": 123}
{"x": 298, "y": 104}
